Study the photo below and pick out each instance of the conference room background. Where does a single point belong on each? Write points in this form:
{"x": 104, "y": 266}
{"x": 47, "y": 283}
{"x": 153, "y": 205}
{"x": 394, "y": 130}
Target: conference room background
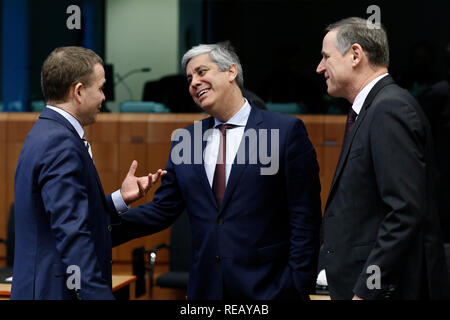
{"x": 278, "y": 41}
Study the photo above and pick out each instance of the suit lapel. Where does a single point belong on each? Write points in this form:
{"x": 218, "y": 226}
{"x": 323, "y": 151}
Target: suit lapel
{"x": 253, "y": 122}
{"x": 362, "y": 115}
{"x": 199, "y": 168}
{"x": 53, "y": 115}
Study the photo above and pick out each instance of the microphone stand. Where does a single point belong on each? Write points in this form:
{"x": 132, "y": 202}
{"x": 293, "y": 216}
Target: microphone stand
{"x": 121, "y": 79}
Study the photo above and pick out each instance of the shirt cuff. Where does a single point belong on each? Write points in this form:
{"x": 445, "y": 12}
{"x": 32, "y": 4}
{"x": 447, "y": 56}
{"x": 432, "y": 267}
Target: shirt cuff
{"x": 119, "y": 204}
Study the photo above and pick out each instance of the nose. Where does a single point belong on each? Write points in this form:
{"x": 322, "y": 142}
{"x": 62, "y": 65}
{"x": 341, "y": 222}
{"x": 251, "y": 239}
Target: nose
{"x": 321, "y": 67}
{"x": 195, "y": 82}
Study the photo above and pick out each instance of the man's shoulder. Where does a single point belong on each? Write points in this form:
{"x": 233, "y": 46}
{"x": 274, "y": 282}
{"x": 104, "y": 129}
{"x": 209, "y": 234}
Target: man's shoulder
{"x": 49, "y": 129}
{"x": 203, "y": 123}
{"x": 393, "y": 95}
{"x": 48, "y": 135}
{"x": 276, "y": 120}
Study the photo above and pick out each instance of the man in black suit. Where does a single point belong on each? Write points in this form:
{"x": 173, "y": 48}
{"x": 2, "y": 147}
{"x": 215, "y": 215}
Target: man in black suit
{"x": 381, "y": 231}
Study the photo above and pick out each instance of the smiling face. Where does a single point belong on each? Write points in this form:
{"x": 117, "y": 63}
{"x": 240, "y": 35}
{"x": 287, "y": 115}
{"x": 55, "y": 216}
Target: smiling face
{"x": 208, "y": 86}
{"x": 337, "y": 68}
{"x": 91, "y": 97}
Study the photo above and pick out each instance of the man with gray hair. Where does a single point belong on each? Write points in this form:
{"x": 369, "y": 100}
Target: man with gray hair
{"x": 255, "y": 232}
{"x": 382, "y": 237}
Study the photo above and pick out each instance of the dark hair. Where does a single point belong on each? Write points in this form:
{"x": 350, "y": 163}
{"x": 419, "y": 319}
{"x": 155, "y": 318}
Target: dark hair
{"x": 64, "y": 67}
{"x": 373, "y": 41}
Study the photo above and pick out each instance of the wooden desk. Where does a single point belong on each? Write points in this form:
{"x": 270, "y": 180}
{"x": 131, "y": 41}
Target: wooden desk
{"x": 319, "y": 297}
{"x": 119, "y": 282}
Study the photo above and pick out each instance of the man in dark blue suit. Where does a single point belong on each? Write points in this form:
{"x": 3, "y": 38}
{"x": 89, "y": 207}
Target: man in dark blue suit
{"x": 63, "y": 218}
{"x": 248, "y": 179}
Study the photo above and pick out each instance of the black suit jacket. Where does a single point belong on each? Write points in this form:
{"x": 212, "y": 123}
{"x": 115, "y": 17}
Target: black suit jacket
{"x": 380, "y": 214}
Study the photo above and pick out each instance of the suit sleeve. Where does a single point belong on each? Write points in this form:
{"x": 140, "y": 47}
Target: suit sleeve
{"x": 397, "y": 143}
{"x": 67, "y": 206}
{"x": 154, "y": 216}
{"x": 304, "y": 204}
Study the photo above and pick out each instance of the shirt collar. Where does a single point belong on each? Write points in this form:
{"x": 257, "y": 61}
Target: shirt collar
{"x": 240, "y": 118}
{"x": 362, "y": 95}
{"x": 73, "y": 121}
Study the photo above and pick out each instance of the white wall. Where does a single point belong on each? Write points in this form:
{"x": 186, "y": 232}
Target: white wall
{"x": 138, "y": 34}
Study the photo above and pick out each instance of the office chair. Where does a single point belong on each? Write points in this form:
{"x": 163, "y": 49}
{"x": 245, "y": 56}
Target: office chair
{"x": 143, "y": 107}
{"x": 7, "y": 271}
{"x": 447, "y": 258}
{"x": 172, "y": 91}
{"x": 179, "y": 250}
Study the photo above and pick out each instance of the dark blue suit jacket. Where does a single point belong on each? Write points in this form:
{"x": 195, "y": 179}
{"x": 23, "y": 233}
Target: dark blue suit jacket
{"x": 263, "y": 242}
{"x": 62, "y": 216}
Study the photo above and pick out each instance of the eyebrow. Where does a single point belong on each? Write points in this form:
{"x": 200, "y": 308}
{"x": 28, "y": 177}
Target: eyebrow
{"x": 199, "y": 67}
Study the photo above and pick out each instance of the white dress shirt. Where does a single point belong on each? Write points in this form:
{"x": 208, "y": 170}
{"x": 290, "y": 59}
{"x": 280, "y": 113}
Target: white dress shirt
{"x": 233, "y": 140}
{"x": 362, "y": 95}
{"x": 116, "y": 196}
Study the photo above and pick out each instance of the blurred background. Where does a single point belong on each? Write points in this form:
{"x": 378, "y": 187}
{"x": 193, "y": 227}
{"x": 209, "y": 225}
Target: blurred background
{"x": 278, "y": 41}
{"x": 142, "y": 42}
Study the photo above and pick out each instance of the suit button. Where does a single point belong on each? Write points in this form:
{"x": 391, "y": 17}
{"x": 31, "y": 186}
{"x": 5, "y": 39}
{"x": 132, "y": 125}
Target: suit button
{"x": 217, "y": 258}
{"x": 220, "y": 221}
{"x": 109, "y": 228}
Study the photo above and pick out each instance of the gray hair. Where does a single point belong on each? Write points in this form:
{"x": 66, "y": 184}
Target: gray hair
{"x": 222, "y": 54}
{"x": 373, "y": 41}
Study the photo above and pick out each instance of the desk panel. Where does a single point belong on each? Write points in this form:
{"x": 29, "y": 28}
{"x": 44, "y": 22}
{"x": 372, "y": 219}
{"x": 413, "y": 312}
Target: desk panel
{"x": 117, "y": 139}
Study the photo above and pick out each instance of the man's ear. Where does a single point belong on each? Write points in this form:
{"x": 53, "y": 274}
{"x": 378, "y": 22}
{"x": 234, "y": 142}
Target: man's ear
{"x": 232, "y": 71}
{"x": 357, "y": 54}
{"x": 77, "y": 91}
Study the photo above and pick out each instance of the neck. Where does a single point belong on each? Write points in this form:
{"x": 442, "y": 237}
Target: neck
{"x": 364, "y": 79}
{"x": 234, "y": 102}
{"x": 67, "y": 107}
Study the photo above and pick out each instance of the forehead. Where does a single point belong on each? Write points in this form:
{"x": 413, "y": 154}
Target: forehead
{"x": 329, "y": 41}
{"x": 200, "y": 60}
{"x": 99, "y": 72}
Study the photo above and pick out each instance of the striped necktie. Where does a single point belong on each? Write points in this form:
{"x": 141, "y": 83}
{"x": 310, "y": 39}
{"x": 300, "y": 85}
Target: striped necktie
{"x": 88, "y": 146}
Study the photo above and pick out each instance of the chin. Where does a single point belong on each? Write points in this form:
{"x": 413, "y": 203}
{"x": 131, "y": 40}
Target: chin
{"x": 205, "y": 106}
{"x": 332, "y": 92}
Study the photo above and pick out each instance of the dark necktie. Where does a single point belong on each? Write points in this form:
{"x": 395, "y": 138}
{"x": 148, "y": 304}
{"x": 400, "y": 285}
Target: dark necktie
{"x": 219, "y": 181}
{"x": 351, "y": 117}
